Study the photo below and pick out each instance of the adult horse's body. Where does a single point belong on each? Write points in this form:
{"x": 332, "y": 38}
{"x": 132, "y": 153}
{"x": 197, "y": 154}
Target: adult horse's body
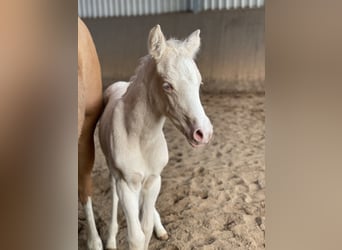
{"x": 90, "y": 105}
{"x": 166, "y": 84}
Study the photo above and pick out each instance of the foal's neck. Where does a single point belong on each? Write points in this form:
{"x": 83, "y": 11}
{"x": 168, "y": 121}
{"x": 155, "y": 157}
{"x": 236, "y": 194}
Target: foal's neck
{"x": 141, "y": 108}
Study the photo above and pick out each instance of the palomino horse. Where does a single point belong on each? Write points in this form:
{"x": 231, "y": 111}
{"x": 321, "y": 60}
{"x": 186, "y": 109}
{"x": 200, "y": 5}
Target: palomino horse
{"x": 166, "y": 84}
{"x": 90, "y": 106}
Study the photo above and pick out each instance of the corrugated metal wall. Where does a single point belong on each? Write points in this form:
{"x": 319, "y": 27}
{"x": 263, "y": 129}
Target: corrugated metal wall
{"x": 200, "y": 5}
{"x": 232, "y": 55}
{"x": 111, "y": 8}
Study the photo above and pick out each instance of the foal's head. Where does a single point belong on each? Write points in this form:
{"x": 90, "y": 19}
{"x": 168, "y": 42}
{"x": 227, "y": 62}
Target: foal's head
{"x": 178, "y": 83}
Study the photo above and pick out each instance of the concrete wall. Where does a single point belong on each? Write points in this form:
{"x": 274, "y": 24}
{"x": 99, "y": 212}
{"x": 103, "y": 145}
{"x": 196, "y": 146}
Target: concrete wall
{"x": 231, "y": 57}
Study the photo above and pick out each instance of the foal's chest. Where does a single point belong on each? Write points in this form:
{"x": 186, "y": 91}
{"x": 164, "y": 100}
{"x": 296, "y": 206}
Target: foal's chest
{"x": 155, "y": 155}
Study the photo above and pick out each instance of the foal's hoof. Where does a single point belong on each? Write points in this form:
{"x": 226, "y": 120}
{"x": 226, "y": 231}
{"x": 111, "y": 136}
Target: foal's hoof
{"x": 111, "y": 246}
{"x": 95, "y": 244}
{"x": 163, "y": 237}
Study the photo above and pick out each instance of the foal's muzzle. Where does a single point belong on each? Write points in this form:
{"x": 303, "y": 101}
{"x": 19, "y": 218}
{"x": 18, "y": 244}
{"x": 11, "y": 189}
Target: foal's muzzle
{"x": 201, "y": 133}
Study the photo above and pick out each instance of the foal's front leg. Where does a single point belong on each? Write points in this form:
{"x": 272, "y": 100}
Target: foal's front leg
{"x": 150, "y": 193}
{"x": 128, "y": 192}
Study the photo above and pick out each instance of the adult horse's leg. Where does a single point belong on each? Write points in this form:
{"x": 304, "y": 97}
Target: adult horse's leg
{"x": 149, "y": 196}
{"x": 90, "y": 106}
{"x": 128, "y": 192}
{"x": 113, "y": 230}
{"x": 85, "y": 166}
{"x": 81, "y": 109}
{"x": 158, "y": 226}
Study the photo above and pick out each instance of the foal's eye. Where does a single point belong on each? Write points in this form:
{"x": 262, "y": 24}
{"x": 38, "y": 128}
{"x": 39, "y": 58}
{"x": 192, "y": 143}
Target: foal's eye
{"x": 167, "y": 86}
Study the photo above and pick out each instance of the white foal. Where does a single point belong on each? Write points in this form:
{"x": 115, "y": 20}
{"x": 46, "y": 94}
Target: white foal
{"x": 166, "y": 84}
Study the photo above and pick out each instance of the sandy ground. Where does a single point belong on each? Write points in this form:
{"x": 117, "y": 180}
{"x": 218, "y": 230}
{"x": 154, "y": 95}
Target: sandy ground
{"x": 211, "y": 198}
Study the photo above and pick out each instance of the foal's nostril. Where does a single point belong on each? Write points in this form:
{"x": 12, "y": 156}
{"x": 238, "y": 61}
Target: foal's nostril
{"x": 198, "y": 135}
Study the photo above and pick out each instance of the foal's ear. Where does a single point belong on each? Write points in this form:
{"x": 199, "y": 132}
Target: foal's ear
{"x": 156, "y": 42}
{"x": 193, "y": 42}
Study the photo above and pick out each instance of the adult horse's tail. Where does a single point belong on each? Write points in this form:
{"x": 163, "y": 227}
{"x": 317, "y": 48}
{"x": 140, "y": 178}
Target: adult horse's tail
{"x": 115, "y": 90}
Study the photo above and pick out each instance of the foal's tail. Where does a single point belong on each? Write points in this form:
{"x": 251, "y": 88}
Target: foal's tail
{"x": 108, "y": 92}
{"x": 115, "y": 90}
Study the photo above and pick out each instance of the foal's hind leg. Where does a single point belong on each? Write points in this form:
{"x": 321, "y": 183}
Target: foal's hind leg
{"x": 158, "y": 226}
{"x": 85, "y": 166}
{"x": 113, "y": 230}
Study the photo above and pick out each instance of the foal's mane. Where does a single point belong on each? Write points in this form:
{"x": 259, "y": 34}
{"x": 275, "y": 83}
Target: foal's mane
{"x": 138, "y": 73}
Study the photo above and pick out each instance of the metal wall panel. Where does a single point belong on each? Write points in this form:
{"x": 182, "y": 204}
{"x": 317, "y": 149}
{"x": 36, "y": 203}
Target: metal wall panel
{"x": 232, "y": 55}
{"x": 111, "y": 8}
